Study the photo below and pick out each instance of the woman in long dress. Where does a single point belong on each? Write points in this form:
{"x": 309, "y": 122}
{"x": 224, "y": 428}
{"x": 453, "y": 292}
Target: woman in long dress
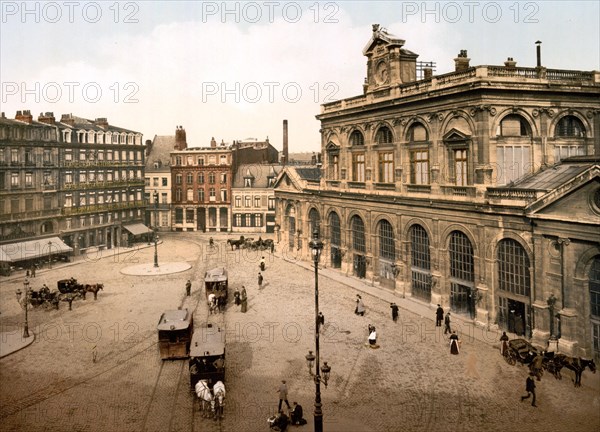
{"x": 360, "y": 307}
{"x": 454, "y": 343}
{"x": 244, "y": 300}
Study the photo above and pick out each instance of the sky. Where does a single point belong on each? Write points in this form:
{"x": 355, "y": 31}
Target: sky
{"x": 236, "y": 70}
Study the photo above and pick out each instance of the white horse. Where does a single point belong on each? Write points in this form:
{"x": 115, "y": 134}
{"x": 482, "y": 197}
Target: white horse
{"x": 219, "y": 392}
{"x": 205, "y": 396}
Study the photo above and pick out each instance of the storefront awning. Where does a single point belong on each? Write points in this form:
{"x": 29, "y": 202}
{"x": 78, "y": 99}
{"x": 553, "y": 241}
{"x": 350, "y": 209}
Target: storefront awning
{"x": 137, "y": 229}
{"x": 14, "y": 252}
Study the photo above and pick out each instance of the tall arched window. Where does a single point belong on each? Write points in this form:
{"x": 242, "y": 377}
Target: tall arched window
{"x": 314, "y": 221}
{"x": 595, "y": 305}
{"x": 513, "y": 153}
{"x": 335, "y": 240}
{"x": 387, "y": 250}
{"x": 420, "y": 264}
{"x": 570, "y": 138}
{"x": 291, "y": 225}
{"x": 462, "y": 274}
{"x": 419, "y": 154}
{"x": 359, "y": 245}
{"x": 569, "y": 126}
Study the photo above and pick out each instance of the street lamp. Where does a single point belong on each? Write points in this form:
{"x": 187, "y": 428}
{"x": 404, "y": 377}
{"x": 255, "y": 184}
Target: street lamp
{"x": 395, "y": 271}
{"x": 50, "y": 254}
{"x": 316, "y": 247}
{"x": 26, "y": 287}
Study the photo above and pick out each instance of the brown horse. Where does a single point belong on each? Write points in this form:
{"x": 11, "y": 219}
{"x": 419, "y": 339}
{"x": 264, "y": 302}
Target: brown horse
{"x": 94, "y": 288}
{"x": 576, "y": 364}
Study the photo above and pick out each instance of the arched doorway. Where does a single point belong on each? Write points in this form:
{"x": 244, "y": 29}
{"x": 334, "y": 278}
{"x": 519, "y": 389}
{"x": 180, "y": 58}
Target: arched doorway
{"x": 47, "y": 227}
{"x": 335, "y": 240}
{"x": 420, "y": 263}
{"x": 314, "y": 222}
{"x": 594, "y": 285}
{"x": 290, "y": 216}
{"x": 359, "y": 246}
{"x": 387, "y": 253}
{"x": 514, "y": 287}
{"x": 462, "y": 275}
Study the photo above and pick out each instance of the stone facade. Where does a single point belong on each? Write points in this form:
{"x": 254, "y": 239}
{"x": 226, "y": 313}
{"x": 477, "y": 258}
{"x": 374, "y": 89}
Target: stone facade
{"x": 475, "y": 189}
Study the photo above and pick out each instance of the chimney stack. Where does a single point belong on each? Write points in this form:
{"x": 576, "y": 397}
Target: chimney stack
{"x": 427, "y": 73}
{"x": 285, "y": 143}
{"x": 213, "y": 143}
{"x": 47, "y": 118}
{"x": 24, "y": 116}
{"x": 67, "y": 119}
{"x": 539, "y": 53}
{"x": 101, "y": 122}
{"x": 461, "y": 63}
{"x": 510, "y": 64}
{"x": 180, "y": 139}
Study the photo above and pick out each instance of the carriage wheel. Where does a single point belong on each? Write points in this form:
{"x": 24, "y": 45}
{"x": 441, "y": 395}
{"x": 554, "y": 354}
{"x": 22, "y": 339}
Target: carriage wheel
{"x": 510, "y": 359}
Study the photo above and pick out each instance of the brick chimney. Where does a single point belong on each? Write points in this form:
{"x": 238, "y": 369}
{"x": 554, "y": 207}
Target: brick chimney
{"x": 67, "y": 119}
{"x": 510, "y": 64}
{"x": 101, "y": 122}
{"x": 213, "y": 143}
{"x": 285, "y": 156}
{"x": 47, "y": 118}
{"x": 427, "y": 73}
{"x": 180, "y": 139}
{"x": 461, "y": 63}
{"x": 24, "y": 116}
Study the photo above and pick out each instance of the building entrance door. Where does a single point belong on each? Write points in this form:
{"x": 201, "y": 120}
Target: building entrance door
{"x": 360, "y": 266}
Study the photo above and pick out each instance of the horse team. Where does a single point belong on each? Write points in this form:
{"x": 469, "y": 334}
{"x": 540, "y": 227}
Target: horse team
{"x": 211, "y": 400}
{"x": 522, "y": 351}
{"x": 68, "y": 290}
{"x": 249, "y": 243}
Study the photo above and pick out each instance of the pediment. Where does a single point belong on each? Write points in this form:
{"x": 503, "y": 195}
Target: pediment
{"x": 456, "y": 135}
{"x": 286, "y": 182}
{"x": 578, "y": 203}
{"x": 332, "y": 147}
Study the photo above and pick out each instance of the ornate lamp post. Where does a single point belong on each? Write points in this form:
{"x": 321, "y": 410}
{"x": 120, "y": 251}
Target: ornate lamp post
{"x": 50, "y": 254}
{"x": 155, "y": 195}
{"x": 26, "y": 327}
{"x": 316, "y": 247}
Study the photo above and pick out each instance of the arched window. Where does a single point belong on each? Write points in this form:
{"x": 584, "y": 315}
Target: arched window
{"x": 335, "y": 240}
{"x": 387, "y": 249}
{"x": 384, "y": 136}
{"x": 417, "y": 132}
{"x": 569, "y": 126}
{"x": 314, "y": 221}
{"x": 419, "y": 155}
{"x": 462, "y": 274}
{"x": 595, "y": 304}
{"x": 420, "y": 263}
{"x": 514, "y": 125}
{"x": 513, "y": 268}
{"x": 357, "y": 139}
{"x": 358, "y": 234}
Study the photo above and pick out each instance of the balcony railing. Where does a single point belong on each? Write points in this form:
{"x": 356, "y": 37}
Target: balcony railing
{"x": 414, "y": 188}
{"x": 512, "y": 193}
{"x": 96, "y": 208}
{"x": 37, "y": 214}
{"x": 103, "y": 184}
{"x": 356, "y": 185}
{"x": 466, "y": 191}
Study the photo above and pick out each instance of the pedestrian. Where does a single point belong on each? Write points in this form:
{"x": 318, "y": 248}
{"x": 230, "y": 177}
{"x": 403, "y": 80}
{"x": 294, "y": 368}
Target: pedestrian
{"x": 272, "y": 247}
{"x": 33, "y": 270}
{"x": 262, "y": 264}
{"x": 447, "y": 328}
{"x": 321, "y": 320}
{"x": 27, "y": 273}
{"x": 530, "y": 389}
{"x": 94, "y": 354}
{"x": 372, "y": 336}
{"x": 439, "y": 316}
{"x": 260, "y": 280}
{"x": 360, "y": 307}
{"x": 188, "y": 288}
{"x": 454, "y": 343}
{"x": 297, "y": 414}
{"x": 236, "y": 297}
{"x": 394, "y": 307}
{"x": 244, "y": 300}
{"x": 283, "y": 395}
{"x": 503, "y": 343}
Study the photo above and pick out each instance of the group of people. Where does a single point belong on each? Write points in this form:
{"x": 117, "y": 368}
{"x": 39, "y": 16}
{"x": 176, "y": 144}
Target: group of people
{"x": 281, "y": 421}
{"x": 241, "y": 299}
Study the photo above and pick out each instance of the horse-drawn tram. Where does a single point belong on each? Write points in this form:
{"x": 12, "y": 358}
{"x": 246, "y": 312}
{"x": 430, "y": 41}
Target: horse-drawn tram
{"x": 215, "y": 285}
{"x": 207, "y": 355}
{"x": 175, "y": 330}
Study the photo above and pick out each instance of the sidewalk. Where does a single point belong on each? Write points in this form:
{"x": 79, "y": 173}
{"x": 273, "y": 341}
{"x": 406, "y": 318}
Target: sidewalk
{"x": 14, "y": 341}
{"x": 466, "y": 328}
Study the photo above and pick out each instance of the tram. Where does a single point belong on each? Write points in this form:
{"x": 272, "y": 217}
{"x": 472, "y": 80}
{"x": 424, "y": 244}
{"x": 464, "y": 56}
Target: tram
{"x": 216, "y": 282}
{"x": 175, "y": 330}
{"x": 207, "y": 355}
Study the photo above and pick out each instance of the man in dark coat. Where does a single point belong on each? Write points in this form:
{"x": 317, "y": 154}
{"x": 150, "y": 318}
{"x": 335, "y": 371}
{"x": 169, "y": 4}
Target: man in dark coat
{"x": 530, "y": 389}
{"x": 447, "y": 328}
{"x": 296, "y": 415}
{"x": 394, "y": 307}
{"x": 439, "y": 316}
{"x": 260, "y": 280}
{"x": 188, "y": 288}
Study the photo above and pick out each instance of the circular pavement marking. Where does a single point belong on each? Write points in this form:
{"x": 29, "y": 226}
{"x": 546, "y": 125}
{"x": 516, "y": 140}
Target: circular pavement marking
{"x": 162, "y": 269}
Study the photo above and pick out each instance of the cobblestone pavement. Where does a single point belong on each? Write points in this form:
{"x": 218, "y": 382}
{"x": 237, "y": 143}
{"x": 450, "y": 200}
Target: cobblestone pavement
{"x": 411, "y": 383}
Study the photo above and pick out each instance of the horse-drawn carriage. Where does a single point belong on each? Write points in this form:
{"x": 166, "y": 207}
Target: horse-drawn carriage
{"x": 207, "y": 367}
{"x": 215, "y": 285}
{"x": 519, "y": 350}
{"x": 66, "y": 286}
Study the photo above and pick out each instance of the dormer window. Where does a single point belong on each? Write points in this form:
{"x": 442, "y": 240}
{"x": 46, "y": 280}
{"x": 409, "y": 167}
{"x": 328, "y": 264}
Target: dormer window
{"x": 270, "y": 181}
{"x": 247, "y": 181}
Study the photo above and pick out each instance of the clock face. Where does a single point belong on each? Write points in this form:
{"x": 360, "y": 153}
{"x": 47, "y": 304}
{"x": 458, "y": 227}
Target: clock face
{"x": 381, "y": 73}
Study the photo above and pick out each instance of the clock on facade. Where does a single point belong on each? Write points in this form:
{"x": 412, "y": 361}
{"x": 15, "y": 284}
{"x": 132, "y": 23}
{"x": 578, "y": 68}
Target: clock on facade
{"x": 381, "y": 73}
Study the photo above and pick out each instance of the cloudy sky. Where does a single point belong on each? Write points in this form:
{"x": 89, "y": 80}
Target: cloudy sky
{"x": 235, "y": 70}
